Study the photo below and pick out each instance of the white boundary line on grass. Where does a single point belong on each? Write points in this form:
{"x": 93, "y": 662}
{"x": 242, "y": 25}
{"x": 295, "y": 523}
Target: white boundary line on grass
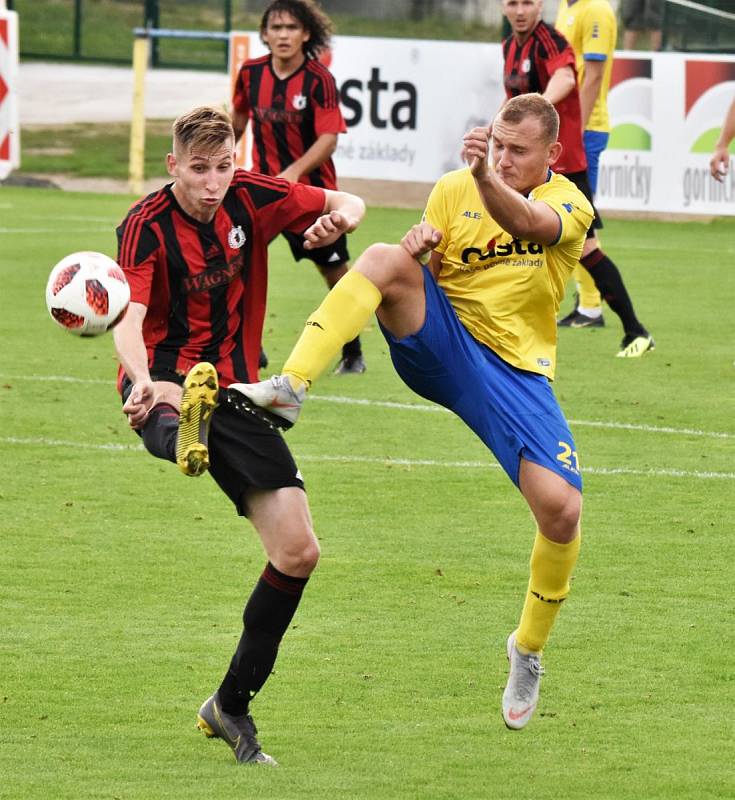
{"x": 54, "y": 231}
{"x": 361, "y": 401}
{"x": 40, "y": 441}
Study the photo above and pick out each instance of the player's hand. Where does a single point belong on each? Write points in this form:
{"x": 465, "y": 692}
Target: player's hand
{"x": 327, "y": 229}
{"x": 720, "y": 163}
{"x": 463, "y": 152}
{"x": 420, "y": 239}
{"x": 476, "y": 149}
{"x": 139, "y": 402}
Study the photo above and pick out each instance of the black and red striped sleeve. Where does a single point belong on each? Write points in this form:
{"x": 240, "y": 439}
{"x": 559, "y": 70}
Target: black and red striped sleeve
{"x": 555, "y": 49}
{"x": 325, "y": 95}
{"x": 279, "y": 205}
{"x": 138, "y": 246}
{"x": 240, "y": 98}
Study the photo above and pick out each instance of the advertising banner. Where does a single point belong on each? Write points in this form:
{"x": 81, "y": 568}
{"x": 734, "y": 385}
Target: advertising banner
{"x": 407, "y": 103}
{"x": 666, "y": 111}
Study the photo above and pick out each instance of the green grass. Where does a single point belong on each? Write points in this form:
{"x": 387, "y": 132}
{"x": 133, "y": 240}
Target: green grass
{"x": 86, "y": 150}
{"x": 122, "y": 582}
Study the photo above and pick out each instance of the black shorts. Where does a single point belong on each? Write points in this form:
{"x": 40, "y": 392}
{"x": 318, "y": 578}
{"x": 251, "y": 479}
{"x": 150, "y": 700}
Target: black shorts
{"x": 244, "y": 452}
{"x": 581, "y": 181}
{"x": 642, "y": 15}
{"x": 334, "y": 255}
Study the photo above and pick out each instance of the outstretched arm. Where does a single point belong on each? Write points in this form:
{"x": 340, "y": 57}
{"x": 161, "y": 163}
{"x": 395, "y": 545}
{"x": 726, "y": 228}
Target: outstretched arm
{"x": 343, "y": 212}
{"x": 720, "y": 162}
{"x": 128, "y": 338}
{"x": 561, "y": 83}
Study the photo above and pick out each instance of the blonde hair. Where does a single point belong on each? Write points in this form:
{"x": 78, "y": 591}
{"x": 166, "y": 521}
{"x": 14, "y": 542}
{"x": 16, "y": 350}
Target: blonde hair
{"x": 202, "y": 128}
{"x": 532, "y": 105}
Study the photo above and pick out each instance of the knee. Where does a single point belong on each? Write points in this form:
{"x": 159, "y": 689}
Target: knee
{"x": 383, "y": 264}
{"x": 562, "y": 517}
{"x": 298, "y": 555}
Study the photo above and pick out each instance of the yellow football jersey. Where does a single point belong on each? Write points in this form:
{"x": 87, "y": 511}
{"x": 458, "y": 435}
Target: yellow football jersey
{"x": 507, "y": 291}
{"x": 592, "y": 30}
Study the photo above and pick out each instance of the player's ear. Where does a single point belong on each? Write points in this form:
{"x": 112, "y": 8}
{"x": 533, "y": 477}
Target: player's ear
{"x": 171, "y": 164}
{"x": 554, "y": 153}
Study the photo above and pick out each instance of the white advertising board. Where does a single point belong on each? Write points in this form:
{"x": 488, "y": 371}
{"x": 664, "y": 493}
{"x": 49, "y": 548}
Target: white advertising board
{"x": 407, "y": 103}
{"x": 666, "y": 112}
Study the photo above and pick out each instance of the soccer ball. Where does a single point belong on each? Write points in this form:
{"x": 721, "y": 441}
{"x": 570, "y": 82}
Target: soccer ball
{"x": 87, "y": 293}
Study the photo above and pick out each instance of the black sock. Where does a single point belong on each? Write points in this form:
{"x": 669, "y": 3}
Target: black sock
{"x": 160, "y": 431}
{"x": 352, "y": 349}
{"x": 267, "y": 615}
{"x": 609, "y": 283}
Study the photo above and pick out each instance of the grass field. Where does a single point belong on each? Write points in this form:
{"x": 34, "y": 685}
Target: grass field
{"x": 122, "y": 582}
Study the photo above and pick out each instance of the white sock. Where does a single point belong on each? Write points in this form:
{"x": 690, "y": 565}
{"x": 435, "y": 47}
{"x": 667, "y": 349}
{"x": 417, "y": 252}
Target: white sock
{"x": 594, "y": 312}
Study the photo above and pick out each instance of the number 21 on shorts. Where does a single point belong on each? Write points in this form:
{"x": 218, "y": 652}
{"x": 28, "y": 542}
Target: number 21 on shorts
{"x": 568, "y": 457}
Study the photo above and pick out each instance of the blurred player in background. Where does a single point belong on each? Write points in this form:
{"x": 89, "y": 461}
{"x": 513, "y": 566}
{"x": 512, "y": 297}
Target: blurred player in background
{"x": 292, "y": 101}
{"x": 538, "y": 58}
{"x": 720, "y": 162}
{"x": 639, "y": 16}
{"x": 591, "y": 29}
{"x": 195, "y": 254}
{"x": 475, "y": 331}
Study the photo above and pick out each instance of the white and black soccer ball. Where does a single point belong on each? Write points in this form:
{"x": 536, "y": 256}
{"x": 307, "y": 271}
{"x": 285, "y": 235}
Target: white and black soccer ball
{"x": 87, "y": 293}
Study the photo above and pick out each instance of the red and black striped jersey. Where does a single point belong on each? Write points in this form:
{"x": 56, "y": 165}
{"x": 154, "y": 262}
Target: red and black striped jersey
{"x": 205, "y": 284}
{"x": 529, "y": 67}
{"x": 288, "y": 115}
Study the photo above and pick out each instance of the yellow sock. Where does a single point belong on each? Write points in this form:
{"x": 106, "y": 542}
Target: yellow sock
{"x": 589, "y": 297}
{"x": 339, "y": 319}
{"x": 552, "y": 565}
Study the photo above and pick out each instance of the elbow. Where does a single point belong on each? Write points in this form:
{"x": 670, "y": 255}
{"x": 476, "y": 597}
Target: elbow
{"x": 331, "y": 146}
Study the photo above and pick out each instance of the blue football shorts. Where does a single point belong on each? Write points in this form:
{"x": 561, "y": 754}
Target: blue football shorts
{"x": 513, "y": 411}
{"x": 595, "y": 143}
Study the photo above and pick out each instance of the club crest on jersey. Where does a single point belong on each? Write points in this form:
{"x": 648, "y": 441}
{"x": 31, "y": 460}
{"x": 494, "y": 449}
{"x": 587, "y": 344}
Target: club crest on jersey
{"x": 526, "y": 65}
{"x": 236, "y": 237}
{"x": 299, "y": 102}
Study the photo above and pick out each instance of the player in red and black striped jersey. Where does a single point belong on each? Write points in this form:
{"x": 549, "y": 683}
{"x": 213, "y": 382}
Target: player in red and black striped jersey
{"x": 195, "y": 256}
{"x": 292, "y": 102}
{"x": 539, "y": 59}
{"x": 543, "y": 61}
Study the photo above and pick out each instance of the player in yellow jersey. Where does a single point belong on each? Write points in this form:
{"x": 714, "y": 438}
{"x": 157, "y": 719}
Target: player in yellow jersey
{"x": 475, "y": 331}
{"x": 591, "y": 29}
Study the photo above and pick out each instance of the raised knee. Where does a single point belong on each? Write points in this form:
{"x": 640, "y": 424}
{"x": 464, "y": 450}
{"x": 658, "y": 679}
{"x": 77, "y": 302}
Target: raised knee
{"x": 299, "y": 558}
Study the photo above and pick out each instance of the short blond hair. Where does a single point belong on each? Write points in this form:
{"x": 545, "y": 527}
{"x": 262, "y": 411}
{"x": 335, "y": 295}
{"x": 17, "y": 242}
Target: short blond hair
{"x": 202, "y": 128}
{"x": 532, "y": 105}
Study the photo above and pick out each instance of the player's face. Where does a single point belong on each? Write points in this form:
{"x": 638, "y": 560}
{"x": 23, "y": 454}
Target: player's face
{"x": 523, "y": 15}
{"x": 202, "y": 178}
{"x": 285, "y": 36}
{"x": 521, "y": 156}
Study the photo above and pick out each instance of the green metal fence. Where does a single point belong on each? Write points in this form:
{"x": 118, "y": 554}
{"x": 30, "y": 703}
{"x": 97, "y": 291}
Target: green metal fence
{"x": 101, "y": 30}
{"x": 704, "y": 26}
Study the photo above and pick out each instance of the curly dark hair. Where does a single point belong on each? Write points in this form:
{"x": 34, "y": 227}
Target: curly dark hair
{"x": 310, "y": 15}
